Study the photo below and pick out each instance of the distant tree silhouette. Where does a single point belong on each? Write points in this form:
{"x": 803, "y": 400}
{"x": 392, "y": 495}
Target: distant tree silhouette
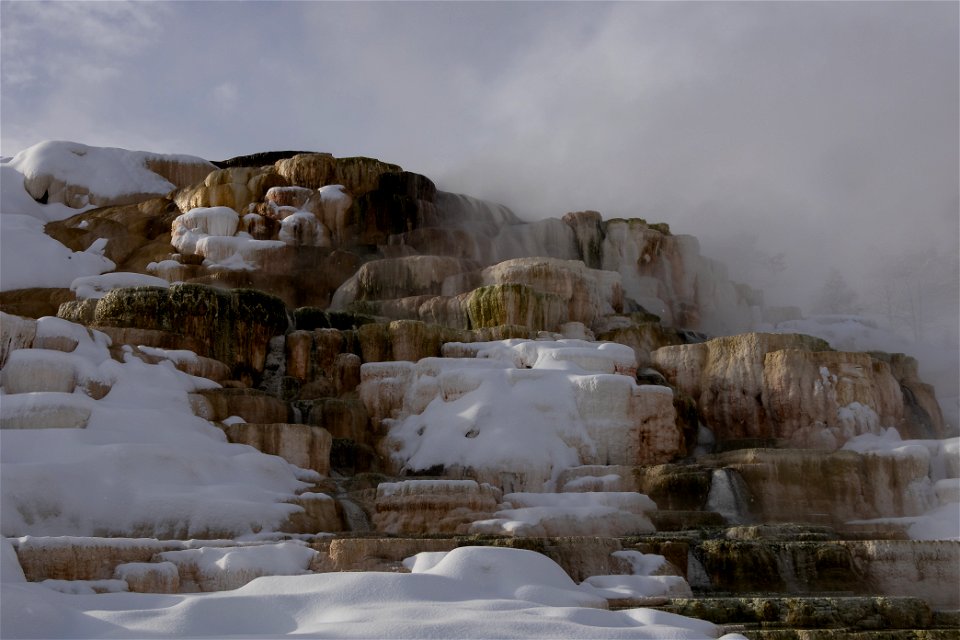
{"x": 836, "y": 296}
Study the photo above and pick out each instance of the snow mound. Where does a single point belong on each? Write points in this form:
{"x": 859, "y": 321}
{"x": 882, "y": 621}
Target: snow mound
{"x": 520, "y": 409}
{"x": 78, "y": 174}
{"x": 95, "y": 287}
{"x": 211, "y": 232}
{"x": 139, "y": 446}
{"x": 473, "y": 592}
{"x": 30, "y": 258}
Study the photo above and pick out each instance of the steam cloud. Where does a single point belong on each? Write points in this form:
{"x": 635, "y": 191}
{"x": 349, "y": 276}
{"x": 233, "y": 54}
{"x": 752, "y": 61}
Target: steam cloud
{"x": 808, "y": 136}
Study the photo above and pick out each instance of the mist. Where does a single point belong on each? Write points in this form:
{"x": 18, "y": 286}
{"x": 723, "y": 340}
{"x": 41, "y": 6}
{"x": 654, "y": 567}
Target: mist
{"x": 795, "y": 140}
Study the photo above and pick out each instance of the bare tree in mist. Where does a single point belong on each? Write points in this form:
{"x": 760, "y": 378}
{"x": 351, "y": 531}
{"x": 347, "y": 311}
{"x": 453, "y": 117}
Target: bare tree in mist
{"x": 918, "y": 293}
{"x": 836, "y": 295}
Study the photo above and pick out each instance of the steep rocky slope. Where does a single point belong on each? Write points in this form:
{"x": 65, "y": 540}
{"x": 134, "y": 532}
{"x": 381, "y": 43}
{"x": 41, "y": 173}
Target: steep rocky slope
{"x": 334, "y": 360}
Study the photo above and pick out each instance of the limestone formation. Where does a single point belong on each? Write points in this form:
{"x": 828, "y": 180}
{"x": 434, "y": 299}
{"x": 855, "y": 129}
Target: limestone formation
{"x": 315, "y": 170}
{"x": 589, "y": 233}
{"x": 233, "y": 327}
{"x": 137, "y": 234}
{"x": 220, "y": 569}
{"x": 252, "y": 405}
{"x": 513, "y": 304}
{"x": 16, "y": 332}
{"x": 783, "y": 388}
{"x": 397, "y": 278}
{"x": 302, "y": 445}
{"x": 377, "y": 554}
{"x": 65, "y": 558}
{"x": 589, "y": 293}
{"x": 922, "y": 415}
{"x": 432, "y": 506}
{"x": 604, "y": 417}
{"x": 149, "y": 577}
{"x": 445, "y": 374}
{"x": 38, "y": 370}
{"x": 45, "y": 410}
{"x": 849, "y": 486}
{"x": 609, "y": 514}
{"x": 235, "y": 188}
{"x": 317, "y": 513}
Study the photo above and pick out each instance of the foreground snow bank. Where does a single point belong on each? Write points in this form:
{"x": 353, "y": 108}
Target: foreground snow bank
{"x": 473, "y": 592}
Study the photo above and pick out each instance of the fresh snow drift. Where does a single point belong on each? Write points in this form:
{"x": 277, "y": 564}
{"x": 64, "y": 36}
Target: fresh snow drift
{"x": 62, "y": 171}
{"x": 139, "y": 446}
{"x": 522, "y": 408}
{"x": 472, "y": 592}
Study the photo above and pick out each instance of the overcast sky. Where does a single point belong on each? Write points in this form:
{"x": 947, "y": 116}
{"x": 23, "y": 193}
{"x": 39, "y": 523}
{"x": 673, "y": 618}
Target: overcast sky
{"x": 824, "y": 130}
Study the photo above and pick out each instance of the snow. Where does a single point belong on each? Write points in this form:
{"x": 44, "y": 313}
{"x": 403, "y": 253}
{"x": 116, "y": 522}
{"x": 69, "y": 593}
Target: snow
{"x": 109, "y": 172}
{"x": 235, "y": 252}
{"x": 86, "y": 587}
{"x": 14, "y": 199}
{"x": 95, "y": 287}
{"x": 518, "y": 406}
{"x": 178, "y": 356}
{"x": 142, "y": 447}
{"x": 29, "y": 258}
{"x": 211, "y": 232}
{"x": 570, "y": 514}
{"x": 202, "y": 221}
{"x": 302, "y": 228}
{"x": 472, "y": 592}
{"x": 636, "y": 587}
{"x": 230, "y": 567}
{"x": 942, "y": 522}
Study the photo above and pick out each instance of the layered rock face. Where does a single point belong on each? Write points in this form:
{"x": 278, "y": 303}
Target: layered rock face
{"x": 353, "y": 367}
{"x": 601, "y": 418}
{"x": 789, "y": 390}
{"x": 432, "y": 506}
{"x": 277, "y": 227}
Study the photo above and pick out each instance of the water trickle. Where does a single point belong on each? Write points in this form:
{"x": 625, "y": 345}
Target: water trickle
{"x": 697, "y": 576}
{"x": 728, "y": 496}
{"x": 355, "y": 518}
{"x": 275, "y": 366}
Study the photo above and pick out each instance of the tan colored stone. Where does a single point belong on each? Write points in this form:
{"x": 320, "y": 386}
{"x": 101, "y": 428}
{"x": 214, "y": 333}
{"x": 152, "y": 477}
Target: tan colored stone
{"x": 397, "y": 278}
{"x": 432, "y": 506}
{"x": 180, "y": 171}
{"x": 149, "y": 577}
{"x": 783, "y": 387}
{"x": 66, "y": 558}
{"x": 378, "y": 554}
{"x": 588, "y": 293}
{"x": 302, "y": 445}
{"x": 320, "y": 514}
{"x": 35, "y": 302}
{"x": 824, "y": 398}
{"x": 16, "y": 332}
{"x": 831, "y": 488}
{"x": 236, "y": 187}
{"x": 250, "y": 404}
